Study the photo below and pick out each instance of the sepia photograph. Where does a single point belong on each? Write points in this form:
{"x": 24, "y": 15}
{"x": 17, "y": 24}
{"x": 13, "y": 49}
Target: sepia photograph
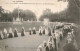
{"x": 39, "y": 25}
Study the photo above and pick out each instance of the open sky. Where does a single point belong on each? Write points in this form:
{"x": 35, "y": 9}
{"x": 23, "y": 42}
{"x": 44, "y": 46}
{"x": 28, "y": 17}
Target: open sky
{"x": 37, "y": 6}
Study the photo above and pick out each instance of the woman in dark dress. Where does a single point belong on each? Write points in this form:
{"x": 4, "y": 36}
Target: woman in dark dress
{"x": 0, "y": 35}
{"x": 34, "y": 30}
{"x": 53, "y": 30}
{"x": 51, "y": 47}
{"x": 5, "y": 33}
{"x": 10, "y": 33}
{"x": 22, "y": 32}
{"x": 40, "y": 31}
{"x": 54, "y": 39}
{"x": 50, "y": 34}
{"x": 15, "y": 33}
{"x": 44, "y": 30}
{"x": 49, "y": 31}
{"x": 30, "y": 31}
{"x": 45, "y": 46}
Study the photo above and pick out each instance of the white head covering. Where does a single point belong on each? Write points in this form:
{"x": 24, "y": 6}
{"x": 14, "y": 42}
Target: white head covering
{"x": 69, "y": 33}
{"x": 69, "y": 40}
{"x": 50, "y": 38}
{"x": 29, "y": 28}
{"x": 34, "y": 28}
{"x": 50, "y": 43}
{"x": 72, "y": 29}
{"x": 44, "y": 43}
{"x": 5, "y": 30}
{"x": 10, "y": 30}
{"x": 15, "y": 29}
{"x": 39, "y": 48}
{"x": 22, "y": 27}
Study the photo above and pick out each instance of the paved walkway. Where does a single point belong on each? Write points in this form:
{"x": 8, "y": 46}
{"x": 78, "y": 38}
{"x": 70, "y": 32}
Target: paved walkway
{"x": 26, "y": 43}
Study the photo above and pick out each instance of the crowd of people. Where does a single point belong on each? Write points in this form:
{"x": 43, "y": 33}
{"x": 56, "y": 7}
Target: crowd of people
{"x": 71, "y": 44}
{"x": 58, "y": 33}
{"x": 14, "y": 33}
{"x": 4, "y": 34}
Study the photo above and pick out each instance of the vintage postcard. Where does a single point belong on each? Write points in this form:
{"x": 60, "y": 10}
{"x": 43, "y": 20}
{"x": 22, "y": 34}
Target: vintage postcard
{"x": 39, "y": 25}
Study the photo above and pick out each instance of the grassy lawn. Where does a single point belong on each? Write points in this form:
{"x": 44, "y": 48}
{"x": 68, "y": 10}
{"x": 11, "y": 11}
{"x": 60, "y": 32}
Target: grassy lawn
{"x": 26, "y": 25}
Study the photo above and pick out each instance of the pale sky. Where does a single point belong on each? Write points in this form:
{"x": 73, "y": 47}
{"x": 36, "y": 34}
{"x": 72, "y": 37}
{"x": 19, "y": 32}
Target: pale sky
{"x": 36, "y": 8}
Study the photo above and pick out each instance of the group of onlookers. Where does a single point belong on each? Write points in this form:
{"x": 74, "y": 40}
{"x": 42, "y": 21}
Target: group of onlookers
{"x": 4, "y": 34}
{"x": 70, "y": 36}
{"x": 57, "y": 34}
{"x": 71, "y": 44}
{"x": 14, "y": 33}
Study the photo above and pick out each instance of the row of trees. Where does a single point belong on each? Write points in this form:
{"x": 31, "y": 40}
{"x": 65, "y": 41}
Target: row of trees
{"x": 8, "y": 16}
{"x": 69, "y": 15}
